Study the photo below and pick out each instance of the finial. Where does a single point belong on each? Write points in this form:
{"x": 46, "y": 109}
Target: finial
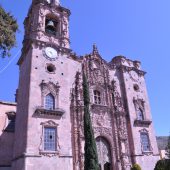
{"x": 95, "y": 50}
{"x": 55, "y": 2}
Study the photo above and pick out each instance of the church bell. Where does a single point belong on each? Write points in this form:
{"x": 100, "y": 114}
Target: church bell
{"x": 50, "y": 24}
{"x": 50, "y": 27}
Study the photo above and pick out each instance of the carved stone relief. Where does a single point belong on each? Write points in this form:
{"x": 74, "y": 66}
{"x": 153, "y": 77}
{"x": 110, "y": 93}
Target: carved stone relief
{"x": 52, "y": 88}
{"x": 104, "y": 152}
{"x": 101, "y": 119}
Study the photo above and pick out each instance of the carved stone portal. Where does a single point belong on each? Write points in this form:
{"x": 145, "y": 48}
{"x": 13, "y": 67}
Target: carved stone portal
{"x": 104, "y": 154}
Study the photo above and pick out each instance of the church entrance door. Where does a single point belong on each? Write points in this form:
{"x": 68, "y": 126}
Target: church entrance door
{"x": 104, "y": 154}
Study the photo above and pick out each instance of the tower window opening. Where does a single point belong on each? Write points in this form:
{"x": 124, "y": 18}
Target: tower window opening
{"x": 140, "y": 115}
{"x": 97, "y": 97}
{"x": 51, "y": 26}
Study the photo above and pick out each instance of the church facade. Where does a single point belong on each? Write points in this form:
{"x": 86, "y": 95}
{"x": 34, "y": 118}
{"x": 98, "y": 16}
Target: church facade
{"x": 49, "y": 111}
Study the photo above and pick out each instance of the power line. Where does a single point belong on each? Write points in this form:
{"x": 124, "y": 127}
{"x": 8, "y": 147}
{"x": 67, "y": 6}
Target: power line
{"x": 1, "y": 71}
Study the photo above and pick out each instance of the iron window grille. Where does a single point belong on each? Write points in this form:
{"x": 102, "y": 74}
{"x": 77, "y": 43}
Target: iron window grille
{"x": 145, "y": 142}
{"x": 49, "y": 102}
{"x": 50, "y": 139}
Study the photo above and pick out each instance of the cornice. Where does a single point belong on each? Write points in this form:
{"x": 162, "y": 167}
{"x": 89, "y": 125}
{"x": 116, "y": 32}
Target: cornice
{"x": 8, "y": 103}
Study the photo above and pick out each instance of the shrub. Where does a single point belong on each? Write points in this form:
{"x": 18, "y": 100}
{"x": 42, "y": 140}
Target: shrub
{"x": 162, "y": 165}
{"x": 136, "y": 167}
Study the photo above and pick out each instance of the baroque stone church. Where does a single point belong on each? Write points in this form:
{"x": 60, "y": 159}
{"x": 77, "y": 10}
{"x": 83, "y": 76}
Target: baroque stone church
{"x": 44, "y": 129}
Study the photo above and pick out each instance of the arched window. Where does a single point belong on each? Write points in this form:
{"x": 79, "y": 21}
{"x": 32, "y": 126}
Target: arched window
{"x": 51, "y": 26}
{"x": 49, "y": 102}
{"x": 97, "y": 97}
{"x": 140, "y": 115}
{"x": 145, "y": 141}
{"x": 107, "y": 166}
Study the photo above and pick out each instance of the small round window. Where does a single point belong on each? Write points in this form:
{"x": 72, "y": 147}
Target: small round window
{"x": 50, "y": 68}
{"x": 136, "y": 87}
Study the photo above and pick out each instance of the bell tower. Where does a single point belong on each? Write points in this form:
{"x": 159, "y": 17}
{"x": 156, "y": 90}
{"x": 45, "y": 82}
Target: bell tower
{"x": 47, "y": 70}
{"x": 47, "y": 21}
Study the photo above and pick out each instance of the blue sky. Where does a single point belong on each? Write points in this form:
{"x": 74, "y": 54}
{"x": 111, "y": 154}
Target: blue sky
{"x": 137, "y": 29}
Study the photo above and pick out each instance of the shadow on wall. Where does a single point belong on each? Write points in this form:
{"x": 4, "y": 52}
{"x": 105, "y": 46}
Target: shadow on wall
{"x": 7, "y": 143}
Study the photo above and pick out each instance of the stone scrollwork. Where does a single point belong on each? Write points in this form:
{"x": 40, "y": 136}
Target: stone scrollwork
{"x": 101, "y": 119}
{"x": 50, "y": 87}
{"x": 139, "y": 103}
{"x": 121, "y": 123}
{"x": 117, "y": 100}
{"x": 102, "y": 131}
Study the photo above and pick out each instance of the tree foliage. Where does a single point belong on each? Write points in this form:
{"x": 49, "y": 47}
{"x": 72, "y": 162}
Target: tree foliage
{"x": 8, "y": 29}
{"x": 162, "y": 165}
{"x": 168, "y": 148}
{"x": 90, "y": 157}
{"x": 136, "y": 167}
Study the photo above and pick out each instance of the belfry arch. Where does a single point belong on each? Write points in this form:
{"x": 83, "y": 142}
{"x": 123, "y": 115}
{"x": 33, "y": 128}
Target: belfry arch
{"x": 104, "y": 153}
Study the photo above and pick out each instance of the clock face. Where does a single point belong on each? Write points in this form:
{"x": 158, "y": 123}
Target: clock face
{"x": 51, "y": 53}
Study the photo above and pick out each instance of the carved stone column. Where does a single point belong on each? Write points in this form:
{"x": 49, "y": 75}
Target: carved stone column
{"x": 121, "y": 123}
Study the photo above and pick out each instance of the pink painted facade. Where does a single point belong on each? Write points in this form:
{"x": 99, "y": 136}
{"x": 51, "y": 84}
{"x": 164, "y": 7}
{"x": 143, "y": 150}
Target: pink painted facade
{"x": 49, "y": 122}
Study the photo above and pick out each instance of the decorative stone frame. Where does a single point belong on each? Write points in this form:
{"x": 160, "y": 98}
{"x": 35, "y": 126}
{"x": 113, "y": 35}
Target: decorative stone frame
{"x": 140, "y": 105}
{"x": 144, "y": 131}
{"x": 41, "y": 111}
{"x": 108, "y": 145}
{"x": 43, "y": 152}
{"x": 56, "y": 19}
{"x": 47, "y": 88}
{"x": 106, "y": 133}
{"x": 102, "y": 93}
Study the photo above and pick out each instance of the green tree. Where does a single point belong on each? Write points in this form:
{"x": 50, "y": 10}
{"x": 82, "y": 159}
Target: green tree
{"x": 136, "y": 167}
{"x": 8, "y": 29}
{"x": 168, "y": 148}
{"x": 90, "y": 157}
{"x": 168, "y": 154}
{"x": 162, "y": 165}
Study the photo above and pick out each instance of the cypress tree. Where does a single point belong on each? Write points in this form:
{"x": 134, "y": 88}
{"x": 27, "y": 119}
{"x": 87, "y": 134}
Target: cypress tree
{"x": 90, "y": 157}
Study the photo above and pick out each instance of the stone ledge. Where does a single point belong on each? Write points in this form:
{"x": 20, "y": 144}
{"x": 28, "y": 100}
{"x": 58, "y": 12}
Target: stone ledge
{"x": 42, "y": 112}
{"x": 25, "y": 155}
{"x": 8, "y": 103}
{"x": 142, "y": 123}
{"x": 49, "y": 153}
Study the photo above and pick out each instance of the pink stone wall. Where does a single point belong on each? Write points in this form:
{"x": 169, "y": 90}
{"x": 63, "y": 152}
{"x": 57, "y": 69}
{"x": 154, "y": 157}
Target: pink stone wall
{"x": 6, "y": 138}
